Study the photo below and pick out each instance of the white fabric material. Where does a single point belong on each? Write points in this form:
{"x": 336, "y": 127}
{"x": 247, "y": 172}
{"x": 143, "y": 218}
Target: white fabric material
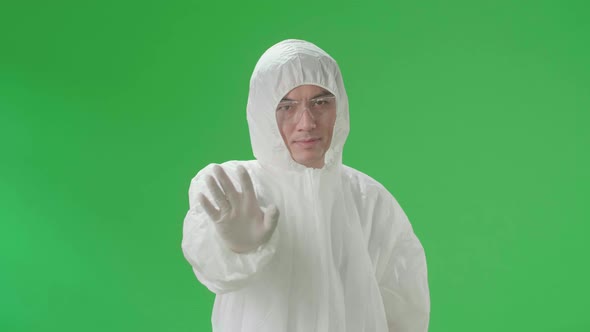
{"x": 343, "y": 257}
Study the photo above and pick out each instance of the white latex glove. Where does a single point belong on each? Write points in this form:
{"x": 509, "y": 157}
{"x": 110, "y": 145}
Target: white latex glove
{"x": 239, "y": 221}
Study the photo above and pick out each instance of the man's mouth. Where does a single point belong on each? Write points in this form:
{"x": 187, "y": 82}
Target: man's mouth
{"x": 307, "y": 142}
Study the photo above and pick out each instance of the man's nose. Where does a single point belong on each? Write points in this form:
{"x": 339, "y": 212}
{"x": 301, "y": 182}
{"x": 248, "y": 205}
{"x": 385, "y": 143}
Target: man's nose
{"x": 306, "y": 121}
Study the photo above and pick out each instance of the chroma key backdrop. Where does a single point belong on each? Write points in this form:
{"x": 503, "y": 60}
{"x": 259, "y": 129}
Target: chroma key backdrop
{"x": 474, "y": 115}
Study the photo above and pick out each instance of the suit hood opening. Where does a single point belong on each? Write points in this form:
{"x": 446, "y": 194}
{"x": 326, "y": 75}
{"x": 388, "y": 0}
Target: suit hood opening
{"x": 283, "y": 67}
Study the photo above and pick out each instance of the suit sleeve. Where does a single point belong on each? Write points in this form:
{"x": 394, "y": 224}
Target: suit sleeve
{"x": 402, "y": 274}
{"x": 216, "y": 266}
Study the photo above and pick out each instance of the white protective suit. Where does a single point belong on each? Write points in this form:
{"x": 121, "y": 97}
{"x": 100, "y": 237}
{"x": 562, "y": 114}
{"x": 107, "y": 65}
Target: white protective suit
{"x": 343, "y": 257}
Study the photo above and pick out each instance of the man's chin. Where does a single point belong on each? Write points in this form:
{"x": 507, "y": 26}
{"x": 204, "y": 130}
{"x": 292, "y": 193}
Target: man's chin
{"x": 309, "y": 159}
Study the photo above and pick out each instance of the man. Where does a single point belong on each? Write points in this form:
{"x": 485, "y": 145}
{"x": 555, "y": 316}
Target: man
{"x": 295, "y": 240}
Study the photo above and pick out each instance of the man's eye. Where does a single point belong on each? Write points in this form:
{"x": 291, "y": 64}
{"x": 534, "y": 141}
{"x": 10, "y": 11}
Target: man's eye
{"x": 284, "y": 107}
{"x": 321, "y": 102}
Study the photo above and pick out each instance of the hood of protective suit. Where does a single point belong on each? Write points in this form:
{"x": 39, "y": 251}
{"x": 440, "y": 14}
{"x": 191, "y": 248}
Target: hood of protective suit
{"x": 283, "y": 67}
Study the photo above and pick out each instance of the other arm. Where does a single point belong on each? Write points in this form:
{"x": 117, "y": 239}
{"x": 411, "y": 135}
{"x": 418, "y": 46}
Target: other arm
{"x": 402, "y": 274}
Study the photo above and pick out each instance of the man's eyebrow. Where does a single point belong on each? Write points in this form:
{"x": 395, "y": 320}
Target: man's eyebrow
{"x": 323, "y": 94}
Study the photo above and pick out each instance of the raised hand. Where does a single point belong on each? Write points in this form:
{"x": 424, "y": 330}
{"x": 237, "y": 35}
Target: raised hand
{"x": 240, "y": 221}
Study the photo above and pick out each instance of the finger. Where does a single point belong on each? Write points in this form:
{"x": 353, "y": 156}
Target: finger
{"x": 218, "y": 195}
{"x": 211, "y": 211}
{"x": 245, "y": 180}
{"x": 271, "y": 218}
{"x": 226, "y": 184}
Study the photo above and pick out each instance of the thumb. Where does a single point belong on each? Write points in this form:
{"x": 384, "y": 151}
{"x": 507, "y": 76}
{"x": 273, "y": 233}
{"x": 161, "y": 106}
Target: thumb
{"x": 271, "y": 217}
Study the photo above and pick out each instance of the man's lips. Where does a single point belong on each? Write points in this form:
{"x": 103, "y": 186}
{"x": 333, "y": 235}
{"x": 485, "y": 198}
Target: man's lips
{"x": 306, "y": 140}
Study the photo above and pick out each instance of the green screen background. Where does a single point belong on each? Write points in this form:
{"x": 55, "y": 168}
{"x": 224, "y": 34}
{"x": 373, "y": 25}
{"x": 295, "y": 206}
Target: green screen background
{"x": 474, "y": 114}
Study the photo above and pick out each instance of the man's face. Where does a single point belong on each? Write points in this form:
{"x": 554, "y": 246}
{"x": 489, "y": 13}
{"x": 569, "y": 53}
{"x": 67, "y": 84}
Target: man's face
{"x": 306, "y": 117}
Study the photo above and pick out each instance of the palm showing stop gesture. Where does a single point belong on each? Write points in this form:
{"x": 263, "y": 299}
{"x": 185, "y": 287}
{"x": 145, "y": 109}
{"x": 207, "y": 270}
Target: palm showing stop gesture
{"x": 239, "y": 219}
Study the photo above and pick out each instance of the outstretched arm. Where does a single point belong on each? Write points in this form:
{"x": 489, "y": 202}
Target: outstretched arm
{"x": 229, "y": 244}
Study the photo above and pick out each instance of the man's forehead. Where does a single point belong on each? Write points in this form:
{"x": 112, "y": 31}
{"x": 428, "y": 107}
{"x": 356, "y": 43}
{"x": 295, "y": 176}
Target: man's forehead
{"x": 307, "y": 91}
